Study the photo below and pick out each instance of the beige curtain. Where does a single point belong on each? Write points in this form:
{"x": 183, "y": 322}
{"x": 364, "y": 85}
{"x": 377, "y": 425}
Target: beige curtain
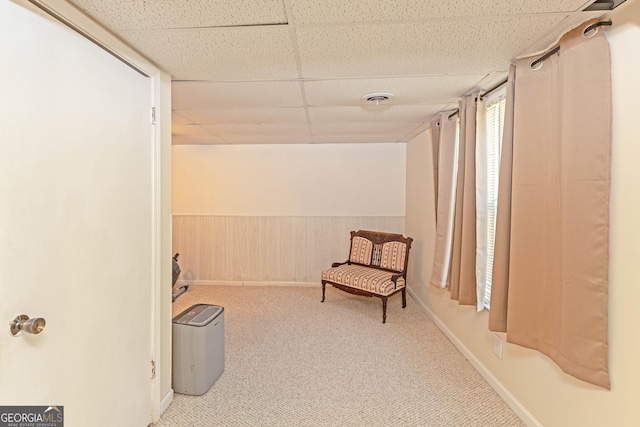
{"x": 501, "y": 248}
{"x": 447, "y": 173}
{"x": 435, "y": 145}
{"x": 463, "y": 260}
{"x": 558, "y": 266}
{"x": 482, "y": 201}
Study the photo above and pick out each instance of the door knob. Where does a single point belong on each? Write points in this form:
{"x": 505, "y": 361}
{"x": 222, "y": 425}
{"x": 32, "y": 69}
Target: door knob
{"x": 23, "y": 323}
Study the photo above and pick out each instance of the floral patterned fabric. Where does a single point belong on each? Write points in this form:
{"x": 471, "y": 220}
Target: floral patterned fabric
{"x": 365, "y": 278}
{"x": 393, "y": 256}
{"x": 361, "y": 250}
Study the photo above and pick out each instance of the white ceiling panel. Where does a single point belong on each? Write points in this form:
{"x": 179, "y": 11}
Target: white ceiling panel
{"x": 372, "y": 113}
{"x": 406, "y": 90}
{"x": 268, "y": 139}
{"x": 245, "y": 53}
{"x": 190, "y": 129}
{"x": 294, "y": 71}
{"x": 155, "y": 14}
{"x": 355, "y": 139}
{"x": 441, "y": 47}
{"x": 340, "y": 11}
{"x": 178, "y": 119}
{"x": 196, "y": 140}
{"x": 227, "y": 129}
{"x": 246, "y": 115}
{"x": 203, "y": 95}
{"x": 378, "y": 128}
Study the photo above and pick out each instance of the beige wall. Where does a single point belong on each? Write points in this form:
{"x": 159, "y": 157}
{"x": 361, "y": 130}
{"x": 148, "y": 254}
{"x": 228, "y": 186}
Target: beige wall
{"x": 280, "y": 213}
{"x": 289, "y": 180}
{"x": 533, "y": 384}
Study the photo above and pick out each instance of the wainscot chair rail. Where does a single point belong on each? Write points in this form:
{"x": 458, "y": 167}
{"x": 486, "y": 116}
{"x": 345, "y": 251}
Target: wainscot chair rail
{"x": 377, "y": 266}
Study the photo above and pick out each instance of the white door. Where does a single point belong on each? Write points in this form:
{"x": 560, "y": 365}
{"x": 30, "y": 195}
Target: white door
{"x": 75, "y": 224}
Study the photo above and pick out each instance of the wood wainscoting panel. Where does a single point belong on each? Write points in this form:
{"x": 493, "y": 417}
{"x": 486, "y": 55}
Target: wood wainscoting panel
{"x": 266, "y": 249}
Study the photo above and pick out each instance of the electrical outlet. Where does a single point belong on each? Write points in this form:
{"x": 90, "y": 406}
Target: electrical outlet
{"x": 497, "y": 346}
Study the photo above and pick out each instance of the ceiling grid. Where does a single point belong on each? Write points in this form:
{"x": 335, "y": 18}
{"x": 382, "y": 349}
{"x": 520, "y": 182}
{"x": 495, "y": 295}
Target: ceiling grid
{"x": 296, "y": 52}
{"x": 295, "y": 71}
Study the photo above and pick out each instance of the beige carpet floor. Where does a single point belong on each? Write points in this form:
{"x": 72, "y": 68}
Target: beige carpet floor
{"x": 293, "y": 361}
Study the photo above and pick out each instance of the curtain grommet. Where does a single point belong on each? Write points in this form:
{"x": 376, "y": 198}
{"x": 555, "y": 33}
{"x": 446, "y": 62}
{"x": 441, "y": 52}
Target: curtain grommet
{"x": 536, "y": 65}
{"x": 589, "y": 32}
{"x": 592, "y": 29}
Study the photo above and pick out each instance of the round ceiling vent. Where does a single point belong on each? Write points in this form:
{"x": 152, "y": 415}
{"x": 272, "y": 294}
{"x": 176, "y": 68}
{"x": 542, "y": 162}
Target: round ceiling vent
{"x": 377, "y": 97}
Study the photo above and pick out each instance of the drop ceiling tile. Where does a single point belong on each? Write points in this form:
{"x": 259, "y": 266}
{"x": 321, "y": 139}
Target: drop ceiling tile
{"x": 355, "y": 139}
{"x": 440, "y": 47}
{"x": 196, "y": 140}
{"x": 369, "y": 113}
{"x": 178, "y": 119}
{"x": 210, "y": 95}
{"x": 178, "y": 129}
{"x": 364, "y": 128}
{"x": 406, "y": 90}
{"x": 426, "y": 52}
{"x": 154, "y": 14}
{"x": 246, "y": 115}
{"x": 226, "y": 129}
{"x": 269, "y": 139}
{"x": 246, "y": 53}
{"x": 340, "y": 11}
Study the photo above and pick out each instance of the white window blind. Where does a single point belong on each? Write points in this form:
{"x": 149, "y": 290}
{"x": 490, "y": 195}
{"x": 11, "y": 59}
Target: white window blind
{"x": 494, "y": 127}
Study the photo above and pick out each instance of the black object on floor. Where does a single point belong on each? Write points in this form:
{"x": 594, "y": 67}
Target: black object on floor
{"x": 176, "y": 272}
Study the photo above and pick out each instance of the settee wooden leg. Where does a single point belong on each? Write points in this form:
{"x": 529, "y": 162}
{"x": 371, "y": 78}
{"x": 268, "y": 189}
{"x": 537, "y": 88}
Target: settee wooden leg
{"x": 404, "y": 297}
{"x": 323, "y": 286}
{"x": 384, "y": 309}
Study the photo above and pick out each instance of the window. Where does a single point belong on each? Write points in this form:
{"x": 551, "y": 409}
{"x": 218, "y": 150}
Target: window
{"x": 494, "y": 126}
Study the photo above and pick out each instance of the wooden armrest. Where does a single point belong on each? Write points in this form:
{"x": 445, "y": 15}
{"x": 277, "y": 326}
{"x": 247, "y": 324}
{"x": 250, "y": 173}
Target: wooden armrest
{"x": 397, "y": 276}
{"x": 338, "y": 264}
{"x": 394, "y": 279}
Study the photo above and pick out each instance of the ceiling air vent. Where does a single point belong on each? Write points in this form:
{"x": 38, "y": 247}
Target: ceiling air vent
{"x": 377, "y": 97}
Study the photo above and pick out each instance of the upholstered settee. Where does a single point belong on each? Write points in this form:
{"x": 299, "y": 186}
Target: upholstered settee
{"x": 377, "y": 266}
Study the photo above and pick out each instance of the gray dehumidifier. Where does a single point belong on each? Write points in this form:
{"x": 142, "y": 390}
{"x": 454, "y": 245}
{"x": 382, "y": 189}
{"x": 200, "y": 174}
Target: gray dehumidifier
{"x": 198, "y": 348}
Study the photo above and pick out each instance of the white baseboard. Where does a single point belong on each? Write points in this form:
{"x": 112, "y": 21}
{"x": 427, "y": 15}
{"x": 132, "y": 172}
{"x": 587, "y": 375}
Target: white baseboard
{"x": 517, "y": 407}
{"x": 245, "y": 283}
{"x": 302, "y": 284}
{"x": 166, "y": 401}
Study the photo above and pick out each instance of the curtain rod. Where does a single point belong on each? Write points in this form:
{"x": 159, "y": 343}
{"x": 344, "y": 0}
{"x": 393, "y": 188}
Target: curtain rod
{"x": 596, "y": 25}
{"x": 586, "y": 31}
{"x": 539, "y": 61}
{"x": 452, "y": 115}
{"x": 493, "y": 88}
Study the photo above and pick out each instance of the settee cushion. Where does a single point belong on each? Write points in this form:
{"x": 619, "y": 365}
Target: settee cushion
{"x": 361, "y": 249}
{"x": 393, "y": 255}
{"x": 365, "y": 278}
